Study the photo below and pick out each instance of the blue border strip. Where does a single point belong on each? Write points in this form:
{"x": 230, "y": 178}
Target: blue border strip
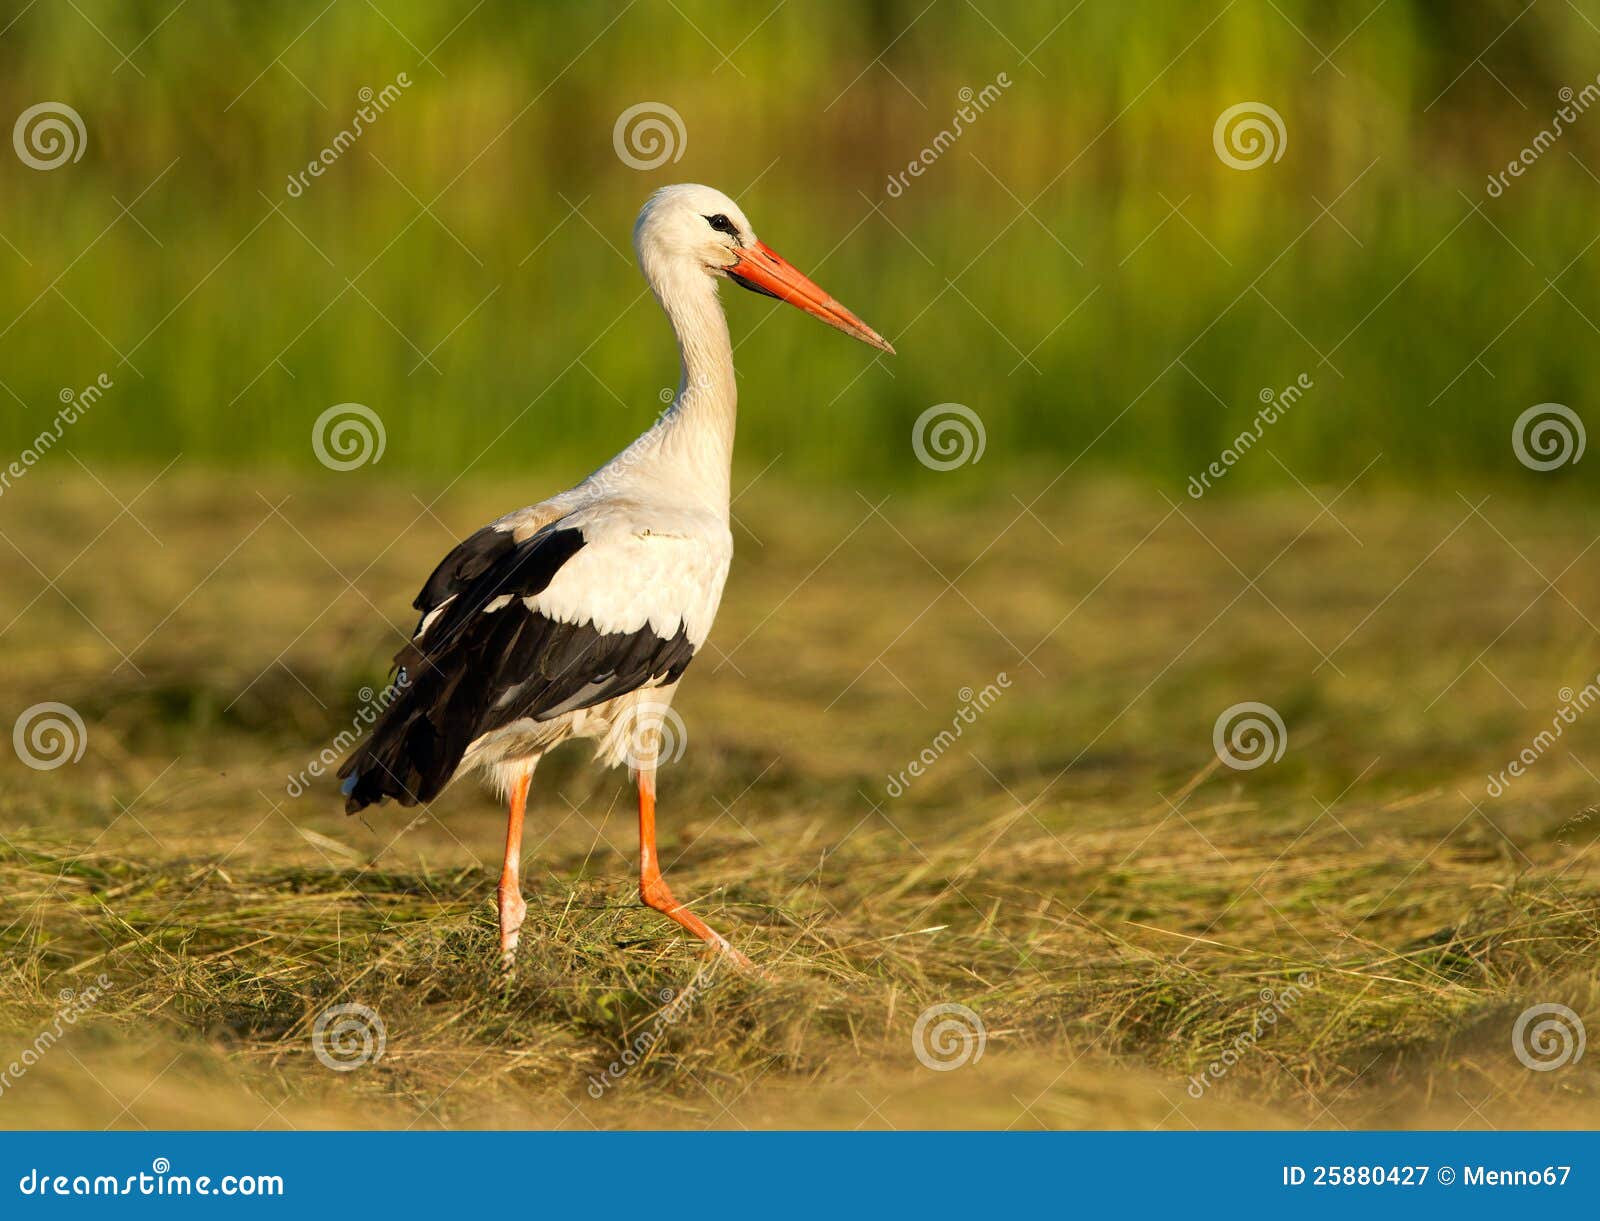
{"x": 678, "y": 1174}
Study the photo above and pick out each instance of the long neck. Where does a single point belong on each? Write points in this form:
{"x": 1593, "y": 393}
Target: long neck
{"x": 695, "y": 436}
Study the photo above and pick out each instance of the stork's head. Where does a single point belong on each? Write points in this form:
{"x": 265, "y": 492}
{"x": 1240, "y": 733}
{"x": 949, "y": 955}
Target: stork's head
{"x": 697, "y": 230}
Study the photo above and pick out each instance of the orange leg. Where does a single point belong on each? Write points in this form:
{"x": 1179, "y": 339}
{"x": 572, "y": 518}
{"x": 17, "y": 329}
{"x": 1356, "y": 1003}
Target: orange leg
{"x": 512, "y": 907}
{"x": 653, "y": 887}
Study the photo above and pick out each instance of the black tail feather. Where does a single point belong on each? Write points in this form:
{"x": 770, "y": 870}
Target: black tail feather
{"x": 413, "y": 750}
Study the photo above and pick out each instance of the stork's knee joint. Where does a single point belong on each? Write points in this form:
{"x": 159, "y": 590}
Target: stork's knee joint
{"x": 654, "y": 892}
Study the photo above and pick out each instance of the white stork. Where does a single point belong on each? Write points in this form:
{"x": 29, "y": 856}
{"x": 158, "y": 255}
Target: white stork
{"x": 576, "y": 617}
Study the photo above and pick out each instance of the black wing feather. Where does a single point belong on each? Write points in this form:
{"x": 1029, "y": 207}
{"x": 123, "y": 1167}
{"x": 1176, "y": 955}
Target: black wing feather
{"x": 476, "y": 670}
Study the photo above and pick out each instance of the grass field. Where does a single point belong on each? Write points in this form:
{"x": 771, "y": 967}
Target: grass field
{"x": 1078, "y": 867}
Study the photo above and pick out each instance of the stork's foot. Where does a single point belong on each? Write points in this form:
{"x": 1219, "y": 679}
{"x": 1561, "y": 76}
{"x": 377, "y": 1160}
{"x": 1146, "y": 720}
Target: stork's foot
{"x": 512, "y": 911}
{"x": 656, "y": 894}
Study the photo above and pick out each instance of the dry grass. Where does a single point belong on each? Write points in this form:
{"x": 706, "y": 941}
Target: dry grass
{"x": 1077, "y": 867}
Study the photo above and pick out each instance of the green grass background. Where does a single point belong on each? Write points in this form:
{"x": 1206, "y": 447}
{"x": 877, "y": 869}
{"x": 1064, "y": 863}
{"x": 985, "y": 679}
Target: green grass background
{"x": 228, "y": 327}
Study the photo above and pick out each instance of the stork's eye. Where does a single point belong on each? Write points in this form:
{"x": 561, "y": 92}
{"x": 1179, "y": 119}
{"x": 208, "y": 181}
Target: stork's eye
{"x": 722, "y": 224}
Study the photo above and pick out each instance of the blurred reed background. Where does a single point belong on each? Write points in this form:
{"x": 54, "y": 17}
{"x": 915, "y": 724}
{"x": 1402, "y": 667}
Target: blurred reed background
{"x": 1102, "y": 323}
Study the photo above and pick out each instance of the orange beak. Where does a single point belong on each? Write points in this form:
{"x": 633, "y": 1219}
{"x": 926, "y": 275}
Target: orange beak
{"x": 763, "y": 270}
